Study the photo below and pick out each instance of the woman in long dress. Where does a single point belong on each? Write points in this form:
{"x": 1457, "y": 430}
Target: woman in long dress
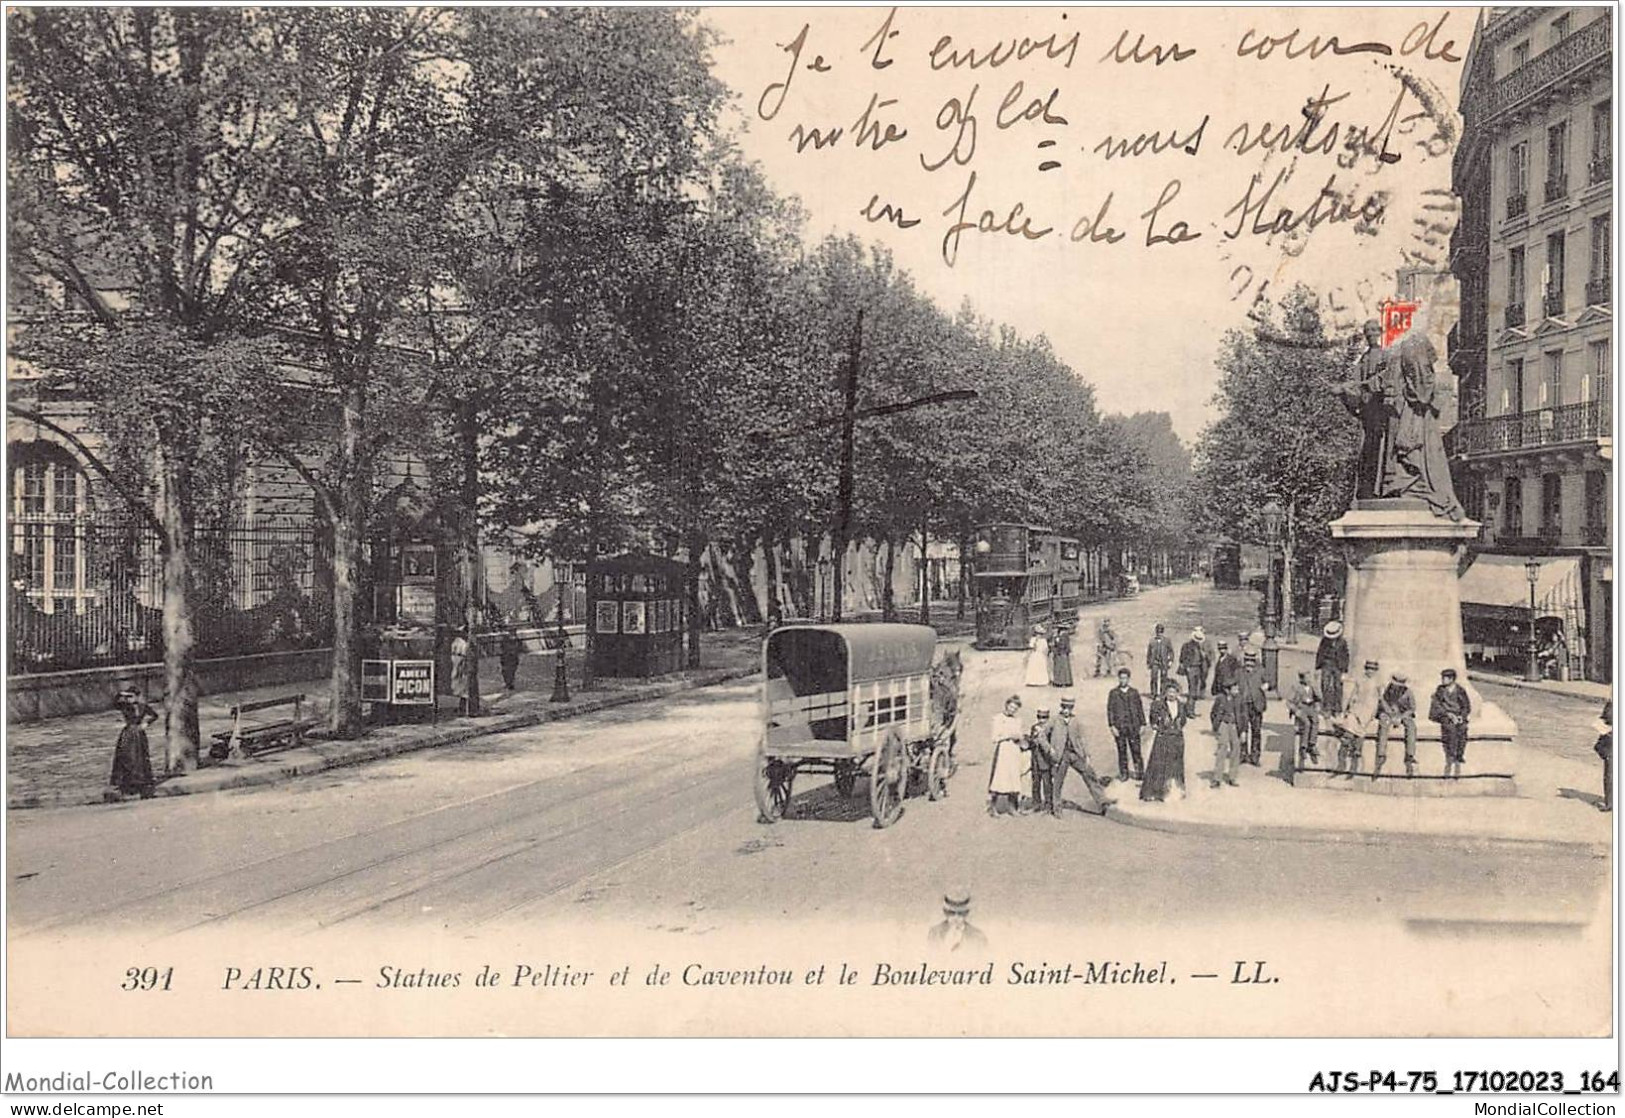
{"x": 132, "y": 765}
{"x": 1060, "y": 657}
{"x": 1037, "y": 666}
{"x": 1009, "y": 771}
{"x": 1165, "y": 769}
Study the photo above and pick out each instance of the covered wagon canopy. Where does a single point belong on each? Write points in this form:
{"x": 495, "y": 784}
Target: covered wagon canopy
{"x": 833, "y": 657}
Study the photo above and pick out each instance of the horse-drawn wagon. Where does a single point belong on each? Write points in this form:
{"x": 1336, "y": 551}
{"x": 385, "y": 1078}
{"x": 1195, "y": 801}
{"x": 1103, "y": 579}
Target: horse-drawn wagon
{"x": 838, "y": 698}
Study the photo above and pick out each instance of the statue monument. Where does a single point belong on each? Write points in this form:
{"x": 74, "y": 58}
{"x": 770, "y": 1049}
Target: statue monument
{"x": 1403, "y": 539}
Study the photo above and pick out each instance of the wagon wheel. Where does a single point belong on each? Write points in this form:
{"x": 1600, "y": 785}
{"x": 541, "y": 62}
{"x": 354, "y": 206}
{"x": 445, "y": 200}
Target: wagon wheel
{"x": 889, "y": 780}
{"x": 940, "y": 768}
{"x": 773, "y": 780}
{"x": 846, "y": 777}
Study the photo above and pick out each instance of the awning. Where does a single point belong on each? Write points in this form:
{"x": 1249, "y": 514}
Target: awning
{"x": 1500, "y": 582}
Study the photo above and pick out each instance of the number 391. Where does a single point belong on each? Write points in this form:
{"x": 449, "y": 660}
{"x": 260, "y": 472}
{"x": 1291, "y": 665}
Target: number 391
{"x": 147, "y": 978}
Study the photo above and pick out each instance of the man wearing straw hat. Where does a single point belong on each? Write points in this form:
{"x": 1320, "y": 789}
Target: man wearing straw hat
{"x": 1194, "y": 660}
{"x": 1332, "y": 662}
{"x": 955, "y": 930}
{"x": 1396, "y": 707}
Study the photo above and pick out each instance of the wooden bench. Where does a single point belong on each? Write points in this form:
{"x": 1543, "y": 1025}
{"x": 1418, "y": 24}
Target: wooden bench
{"x": 258, "y": 737}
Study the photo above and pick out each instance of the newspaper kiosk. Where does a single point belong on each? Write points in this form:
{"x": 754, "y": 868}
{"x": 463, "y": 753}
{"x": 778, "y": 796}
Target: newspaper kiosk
{"x": 635, "y": 615}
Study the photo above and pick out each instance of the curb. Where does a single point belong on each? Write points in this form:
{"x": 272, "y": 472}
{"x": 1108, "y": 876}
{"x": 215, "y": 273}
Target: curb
{"x": 1344, "y": 835}
{"x": 1525, "y": 685}
{"x": 335, "y": 755}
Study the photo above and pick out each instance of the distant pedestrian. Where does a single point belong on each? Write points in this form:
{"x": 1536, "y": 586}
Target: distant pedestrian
{"x": 1355, "y": 722}
{"x": 1304, "y": 703}
{"x": 509, "y": 653}
{"x": 1255, "y": 700}
{"x": 1070, "y": 753}
{"x": 1004, "y": 785}
{"x": 132, "y": 764}
{"x": 1038, "y": 762}
{"x": 1164, "y": 780}
{"x": 1125, "y": 714}
{"x": 1396, "y": 707}
{"x": 1036, "y": 669}
{"x": 1226, "y": 720}
{"x": 1332, "y": 662}
{"x": 1159, "y": 660}
{"x": 1060, "y": 657}
{"x": 1451, "y": 709}
{"x": 1194, "y": 662}
{"x": 460, "y": 669}
{"x": 1105, "y": 647}
{"x": 1605, "y": 750}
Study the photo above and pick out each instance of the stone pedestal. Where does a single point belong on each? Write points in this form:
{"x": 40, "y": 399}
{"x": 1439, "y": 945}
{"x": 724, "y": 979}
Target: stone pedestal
{"x": 1403, "y": 610}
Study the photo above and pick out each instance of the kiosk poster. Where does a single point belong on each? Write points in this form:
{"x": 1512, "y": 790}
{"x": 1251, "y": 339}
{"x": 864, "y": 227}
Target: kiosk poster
{"x": 1277, "y": 341}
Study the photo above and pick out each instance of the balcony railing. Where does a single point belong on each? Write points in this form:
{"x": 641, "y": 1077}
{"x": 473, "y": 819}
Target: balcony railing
{"x": 1601, "y": 168}
{"x": 1515, "y": 314}
{"x": 1557, "y": 188}
{"x": 1599, "y": 291}
{"x": 1591, "y": 43}
{"x": 1552, "y": 304}
{"x": 1517, "y": 205}
{"x": 1570, "y": 423}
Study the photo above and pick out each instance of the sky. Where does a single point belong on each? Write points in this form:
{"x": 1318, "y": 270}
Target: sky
{"x": 1133, "y": 265}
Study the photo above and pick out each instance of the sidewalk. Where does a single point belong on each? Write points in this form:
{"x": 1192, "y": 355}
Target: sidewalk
{"x": 1554, "y": 805}
{"x": 1572, "y": 688}
{"x": 65, "y": 761}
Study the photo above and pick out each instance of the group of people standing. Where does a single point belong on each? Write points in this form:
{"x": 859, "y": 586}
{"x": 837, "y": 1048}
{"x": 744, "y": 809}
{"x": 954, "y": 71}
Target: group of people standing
{"x": 1351, "y": 706}
{"x": 1240, "y": 694}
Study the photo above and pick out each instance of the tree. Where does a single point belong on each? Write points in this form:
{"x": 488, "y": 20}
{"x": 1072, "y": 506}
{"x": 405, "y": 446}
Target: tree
{"x": 141, "y": 143}
{"x": 1277, "y": 434}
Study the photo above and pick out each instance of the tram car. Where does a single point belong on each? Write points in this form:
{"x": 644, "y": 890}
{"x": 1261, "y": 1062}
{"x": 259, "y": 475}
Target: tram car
{"x": 1016, "y": 575}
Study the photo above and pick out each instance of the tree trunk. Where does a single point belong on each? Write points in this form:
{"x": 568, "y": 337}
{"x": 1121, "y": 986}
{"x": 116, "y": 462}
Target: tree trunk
{"x": 965, "y": 561}
{"x": 696, "y": 551}
{"x": 888, "y": 597}
{"x": 925, "y": 570}
{"x": 1288, "y": 622}
{"x": 344, "y": 719}
{"x": 181, "y": 733}
{"x": 775, "y": 610}
{"x": 469, "y": 543}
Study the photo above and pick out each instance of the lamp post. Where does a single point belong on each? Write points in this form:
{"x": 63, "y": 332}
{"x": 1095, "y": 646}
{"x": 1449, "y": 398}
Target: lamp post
{"x": 1531, "y": 672}
{"x": 1271, "y": 515}
{"x": 561, "y": 675}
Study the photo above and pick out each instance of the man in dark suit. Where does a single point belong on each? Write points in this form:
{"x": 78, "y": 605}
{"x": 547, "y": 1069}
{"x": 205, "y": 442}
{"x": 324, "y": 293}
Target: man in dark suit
{"x": 1159, "y": 661}
{"x": 1194, "y": 662}
{"x": 1227, "y": 670}
{"x": 1451, "y": 709}
{"x": 1125, "y": 714}
{"x": 1226, "y": 718}
{"x": 1043, "y": 767}
{"x": 1254, "y": 701}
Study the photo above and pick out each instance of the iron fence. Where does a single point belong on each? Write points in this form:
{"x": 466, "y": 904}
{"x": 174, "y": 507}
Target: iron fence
{"x": 87, "y": 593}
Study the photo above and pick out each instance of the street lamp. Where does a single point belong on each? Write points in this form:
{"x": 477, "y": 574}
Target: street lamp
{"x": 1531, "y": 672}
{"x": 561, "y": 675}
{"x": 1270, "y": 516}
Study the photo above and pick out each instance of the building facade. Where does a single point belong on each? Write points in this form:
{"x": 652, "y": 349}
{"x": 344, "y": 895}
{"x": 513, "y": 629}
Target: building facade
{"x": 1532, "y": 454}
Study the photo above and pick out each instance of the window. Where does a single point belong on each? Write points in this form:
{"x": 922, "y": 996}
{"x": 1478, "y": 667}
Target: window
{"x": 1557, "y": 160}
{"x": 1551, "y": 389}
{"x": 1512, "y": 403}
{"x": 1551, "y": 506}
{"x": 1552, "y": 281}
{"x": 50, "y": 505}
{"x": 1602, "y": 126}
{"x": 1596, "y": 507}
{"x": 1601, "y": 369}
{"x": 1512, "y": 498}
{"x": 1560, "y": 28}
{"x": 1516, "y": 283}
{"x": 1518, "y": 179}
{"x": 1520, "y": 54}
{"x": 1601, "y": 246}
